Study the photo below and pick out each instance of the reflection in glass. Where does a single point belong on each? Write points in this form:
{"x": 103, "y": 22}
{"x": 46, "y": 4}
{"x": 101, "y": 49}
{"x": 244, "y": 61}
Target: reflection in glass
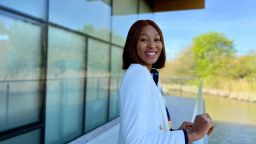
{"x": 120, "y": 27}
{"x": 145, "y": 11}
{"x": 97, "y": 84}
{"x": 35, "y": 8}
{"x": 124, "y": 15}
{"x": 20, "y": 68}
{"x": 116, "y": 73}
{"x": 32, "y": 137}
{"x": 65, "y": 86}
{"x": 125, "y": 7}
{"x": 144, "y": 8}
{"x": 88, "y": 16}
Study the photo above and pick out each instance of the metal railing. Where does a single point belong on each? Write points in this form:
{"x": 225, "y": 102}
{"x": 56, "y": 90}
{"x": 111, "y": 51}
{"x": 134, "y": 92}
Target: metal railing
{"x": 188, "y": 87}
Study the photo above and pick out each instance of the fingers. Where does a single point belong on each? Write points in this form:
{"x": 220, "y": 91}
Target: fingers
{"x": 186, "y": 125}
{"x": 207, "y": 118}
{"x": 206, "y": 122}
{"x": 210, "y": 131}
{"x": 206, "y": 115}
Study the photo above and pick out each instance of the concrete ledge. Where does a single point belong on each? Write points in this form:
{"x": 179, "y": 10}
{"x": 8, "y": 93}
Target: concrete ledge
{"x": 107, "y": 134}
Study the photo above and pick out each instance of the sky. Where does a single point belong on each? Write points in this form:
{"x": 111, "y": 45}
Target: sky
{"x": 236, "y": 19}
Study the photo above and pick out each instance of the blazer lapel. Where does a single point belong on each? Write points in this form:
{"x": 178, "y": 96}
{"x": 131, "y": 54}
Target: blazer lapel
{"x": 163, "y": 110}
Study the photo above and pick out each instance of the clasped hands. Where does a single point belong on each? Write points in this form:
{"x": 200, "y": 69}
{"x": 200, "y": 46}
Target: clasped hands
{"x": 201, "y": 126}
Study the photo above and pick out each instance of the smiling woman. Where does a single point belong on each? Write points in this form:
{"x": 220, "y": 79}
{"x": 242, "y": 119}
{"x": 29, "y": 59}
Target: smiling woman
{"x": 149, "y": 46}
{"x": 144, "y": 117}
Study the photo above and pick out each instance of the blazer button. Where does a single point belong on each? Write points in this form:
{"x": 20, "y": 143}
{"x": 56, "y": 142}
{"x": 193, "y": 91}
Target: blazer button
{"x": 161, "y": 127}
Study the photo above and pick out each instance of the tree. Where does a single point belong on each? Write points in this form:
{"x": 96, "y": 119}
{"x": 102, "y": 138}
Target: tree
{"x": 245, "y": 67}
{"x": 183, "y": 66}
{"x": 211, "y": 51}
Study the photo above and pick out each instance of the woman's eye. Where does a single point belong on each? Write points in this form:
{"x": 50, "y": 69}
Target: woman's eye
{"x": 157, "y": 40}
{"x": 143, "y": 40}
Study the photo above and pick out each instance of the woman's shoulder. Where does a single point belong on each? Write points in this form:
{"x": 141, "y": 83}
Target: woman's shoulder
{"x": 136, "y": 72}
{"x": 137, "y": 67}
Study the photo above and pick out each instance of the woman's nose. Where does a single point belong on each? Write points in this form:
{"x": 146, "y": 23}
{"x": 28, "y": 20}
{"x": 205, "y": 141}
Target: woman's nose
{"x": 151, "y": 44}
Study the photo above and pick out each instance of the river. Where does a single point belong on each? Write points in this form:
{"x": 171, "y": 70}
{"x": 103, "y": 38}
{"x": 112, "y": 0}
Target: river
{"x": 235, "y": 121}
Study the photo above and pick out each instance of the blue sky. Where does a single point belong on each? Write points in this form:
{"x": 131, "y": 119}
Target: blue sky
{"x": 235, "y": 18}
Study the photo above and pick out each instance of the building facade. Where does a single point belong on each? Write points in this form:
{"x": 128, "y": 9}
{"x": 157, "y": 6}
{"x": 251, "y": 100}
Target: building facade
{"x": 60, "y": 66}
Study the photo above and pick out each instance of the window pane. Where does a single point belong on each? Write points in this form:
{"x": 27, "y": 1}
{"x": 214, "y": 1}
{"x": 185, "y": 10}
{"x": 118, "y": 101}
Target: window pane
{"x": 144, "y": 7}
{"x": 35, "y": 8}
{"x": 97, "y": 84}
{"x": 116, "y": 73}
{"x": 20, "y": 68}
{"x": 65, "y": 86}
{"x": 92, "y": 17}
{"x": 28, "y": 138}
{"x": 120, "y": 28}
{"x": 124, "y": 15}
{"x": 125, "y": 7}
{"x": 145, "y": 11}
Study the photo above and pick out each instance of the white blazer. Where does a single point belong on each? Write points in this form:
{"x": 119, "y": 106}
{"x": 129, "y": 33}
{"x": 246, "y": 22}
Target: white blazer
{"x": 143, "y": 118}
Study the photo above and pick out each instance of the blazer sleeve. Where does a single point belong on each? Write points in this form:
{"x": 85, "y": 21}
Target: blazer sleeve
{"x": 134, "y": 93}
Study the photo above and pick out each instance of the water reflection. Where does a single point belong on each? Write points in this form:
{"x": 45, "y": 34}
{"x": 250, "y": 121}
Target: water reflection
{"x": 235, "y": 121}
{"x": 233, "y": 111}
{"x": 233, "y": 133}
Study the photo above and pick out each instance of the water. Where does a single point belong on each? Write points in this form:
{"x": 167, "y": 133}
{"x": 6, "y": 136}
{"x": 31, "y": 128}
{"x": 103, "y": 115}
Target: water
{"x": 235, "y": 121}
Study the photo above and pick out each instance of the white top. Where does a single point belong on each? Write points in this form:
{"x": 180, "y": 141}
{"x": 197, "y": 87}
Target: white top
{"x": 143, "y": 118}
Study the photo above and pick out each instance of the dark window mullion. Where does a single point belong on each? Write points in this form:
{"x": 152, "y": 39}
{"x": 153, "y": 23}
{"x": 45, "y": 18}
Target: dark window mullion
{"x": 20, "y": 130}
{"x": 85, "y": 83}
{"x": 109, "y": 82}
{"x": 45, "y": 66}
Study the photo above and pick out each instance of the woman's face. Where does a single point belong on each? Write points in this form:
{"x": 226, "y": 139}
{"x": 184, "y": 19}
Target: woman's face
{"x": 149, "y": 46}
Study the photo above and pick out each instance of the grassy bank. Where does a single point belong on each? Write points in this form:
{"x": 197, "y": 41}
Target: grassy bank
{"x": 244, "y": 90}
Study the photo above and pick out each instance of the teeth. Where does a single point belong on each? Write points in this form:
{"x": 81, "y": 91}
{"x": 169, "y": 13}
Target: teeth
{"x": 151, "y": 53}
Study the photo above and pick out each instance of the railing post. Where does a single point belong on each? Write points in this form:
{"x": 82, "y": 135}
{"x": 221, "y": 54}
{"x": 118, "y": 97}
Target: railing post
{"x": 200, "y": 97}
{"x": 201, "y": 108}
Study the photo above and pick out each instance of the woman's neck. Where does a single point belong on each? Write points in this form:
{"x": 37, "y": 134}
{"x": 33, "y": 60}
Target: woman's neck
{"x": 149, "y": 67}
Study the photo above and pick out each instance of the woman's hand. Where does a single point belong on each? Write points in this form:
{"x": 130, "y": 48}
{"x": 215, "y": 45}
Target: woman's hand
{"x": 186, "y": 125}
{"x": 202, "y": 125}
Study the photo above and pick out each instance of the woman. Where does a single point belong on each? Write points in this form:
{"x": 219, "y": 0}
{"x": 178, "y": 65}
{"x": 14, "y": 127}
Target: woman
{"x": 144, "y": 118}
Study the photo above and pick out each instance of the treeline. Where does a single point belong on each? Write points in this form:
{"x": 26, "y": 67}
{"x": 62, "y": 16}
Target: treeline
{"x": 212, "y": 57}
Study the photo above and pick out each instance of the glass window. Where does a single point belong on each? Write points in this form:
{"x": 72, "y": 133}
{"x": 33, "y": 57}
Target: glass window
{"x": 144, "y": 7}
{"x": 124, "y": 7}
{"x": 145, "y": 11}
{"x": 65, "y": 86}
{"x": 20, "y": 69}
{"x": 92, "y": 17}
{"x": 116, "y": 73}
{"x": 106, "y": 1}
{"x": 97, "y": 84}
{"x": 32, "y": 137}
{"x": 120, "y": 28}
{"x": 124, "y": 15}
{"x": 35, "y": 8}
